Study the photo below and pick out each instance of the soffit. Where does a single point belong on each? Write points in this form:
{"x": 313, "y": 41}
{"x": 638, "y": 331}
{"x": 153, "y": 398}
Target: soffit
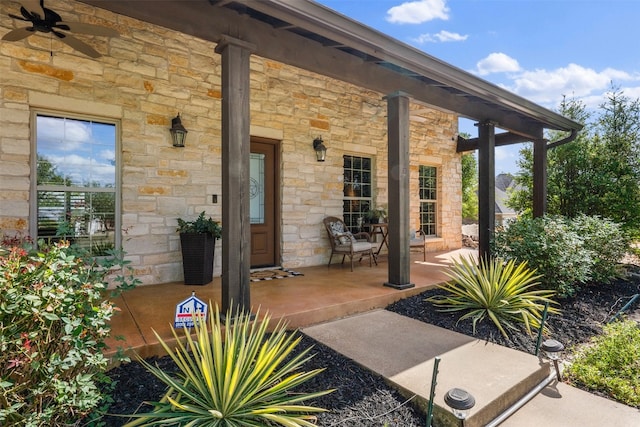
{"x": 310, "y": 36}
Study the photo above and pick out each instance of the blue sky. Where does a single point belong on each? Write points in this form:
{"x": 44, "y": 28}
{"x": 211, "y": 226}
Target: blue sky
{"x": 538, "y": 49}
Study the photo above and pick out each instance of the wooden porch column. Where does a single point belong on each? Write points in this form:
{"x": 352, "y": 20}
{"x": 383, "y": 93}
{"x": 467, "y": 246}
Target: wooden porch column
{"x": 486, "y": 186}
{"x": 539, "y": 177}
{"x": 398, "y": 148}
{"x": 236, "y": 227}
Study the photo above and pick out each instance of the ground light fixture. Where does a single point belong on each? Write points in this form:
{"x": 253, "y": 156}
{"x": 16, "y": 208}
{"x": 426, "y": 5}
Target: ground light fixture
{"x": 178, "y": 132}
{"x": 460, "y": 401}
{"x": 553, "y": 348}
{"x": 320, "y": 149}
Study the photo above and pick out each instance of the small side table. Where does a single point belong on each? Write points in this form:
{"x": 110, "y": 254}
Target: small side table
{"x": 381, "y": 228}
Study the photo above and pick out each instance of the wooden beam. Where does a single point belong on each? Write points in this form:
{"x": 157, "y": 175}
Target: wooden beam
{"x": 506, "y": 138}
{"x": 398, "y": 179}
{"x": 486, "y": 187}
{"x": 236, "y": 147}
{"x": 539, "y": 178}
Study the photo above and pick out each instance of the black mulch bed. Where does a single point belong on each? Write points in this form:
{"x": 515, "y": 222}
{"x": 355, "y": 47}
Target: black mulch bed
{"x": 363, "y": 399}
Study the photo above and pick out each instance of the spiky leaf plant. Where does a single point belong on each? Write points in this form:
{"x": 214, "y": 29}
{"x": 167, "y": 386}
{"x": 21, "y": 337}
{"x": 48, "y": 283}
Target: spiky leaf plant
{"x": 504, "y": 292}
{"x": 234, "y": 376}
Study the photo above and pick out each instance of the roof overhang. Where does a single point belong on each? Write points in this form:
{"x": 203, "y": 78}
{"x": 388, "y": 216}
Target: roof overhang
{"x": 308, "y": 35}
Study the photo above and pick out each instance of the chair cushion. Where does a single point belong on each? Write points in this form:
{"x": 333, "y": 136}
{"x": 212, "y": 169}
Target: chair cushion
{"x": 346, "y": 238}
{"x": 361, "y": 246}
{"x": 358, "y": 246}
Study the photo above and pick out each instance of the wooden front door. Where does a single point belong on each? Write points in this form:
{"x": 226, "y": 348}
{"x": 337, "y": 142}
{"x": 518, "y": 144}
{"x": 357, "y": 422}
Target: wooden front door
{"x": 264, "y": 196}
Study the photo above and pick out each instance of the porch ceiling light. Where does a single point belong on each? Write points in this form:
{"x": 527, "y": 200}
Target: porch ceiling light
{"x": 320, "y": 149}
{"x": 553, "y": 348}
{"x": 178, "y": 132}
{"x": 460, "y": 401}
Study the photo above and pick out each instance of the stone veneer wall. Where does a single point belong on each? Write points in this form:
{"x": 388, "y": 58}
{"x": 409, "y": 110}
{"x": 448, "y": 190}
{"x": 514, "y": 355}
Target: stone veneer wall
{"x": 149, "y": 74}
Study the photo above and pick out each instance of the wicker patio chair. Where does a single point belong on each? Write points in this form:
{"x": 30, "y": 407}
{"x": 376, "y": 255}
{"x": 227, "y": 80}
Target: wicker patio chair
{"x": 345, "y": 243}
{"x": 418, "y": 240}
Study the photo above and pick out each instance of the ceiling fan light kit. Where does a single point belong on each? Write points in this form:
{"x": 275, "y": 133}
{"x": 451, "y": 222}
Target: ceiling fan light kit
{"x": 45, "y": 20}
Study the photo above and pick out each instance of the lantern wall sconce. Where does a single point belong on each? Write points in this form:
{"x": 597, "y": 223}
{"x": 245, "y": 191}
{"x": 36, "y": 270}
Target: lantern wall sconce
{"x": 178, "y": 132}
{"x": 320, "y": 149}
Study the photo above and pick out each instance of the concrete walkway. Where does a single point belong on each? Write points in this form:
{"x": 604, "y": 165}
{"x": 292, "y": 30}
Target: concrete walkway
{"x": 402, "y": 350}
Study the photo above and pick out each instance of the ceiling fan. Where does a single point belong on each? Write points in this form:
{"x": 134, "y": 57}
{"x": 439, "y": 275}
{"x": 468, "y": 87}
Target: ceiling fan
{"x": 46, "y": 20}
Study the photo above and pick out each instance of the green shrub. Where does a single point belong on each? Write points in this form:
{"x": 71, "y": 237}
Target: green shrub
{"x": 200, "y": 225}
{"x": 551, "y": 247}
{"x": 234, "y": 376}
{"x": 53, "y": 323}
{"x": 501, "y": 291}
{"x": 611, "y": 363}
{"x": 566, "y": 252}
{"x": 607, "y": 242}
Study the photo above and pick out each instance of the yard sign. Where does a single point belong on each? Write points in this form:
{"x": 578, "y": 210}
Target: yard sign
{"x": 186, "y": 310}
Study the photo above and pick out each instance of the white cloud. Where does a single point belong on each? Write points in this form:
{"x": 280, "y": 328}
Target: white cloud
{"x": 70, "y": 134}
{"x": 497, "y": 62}
{"x": 417, "y": 12}
{"x": 547, "y": 87}
{"x": 441, "y": 37}
{"x": 82, "y": 170}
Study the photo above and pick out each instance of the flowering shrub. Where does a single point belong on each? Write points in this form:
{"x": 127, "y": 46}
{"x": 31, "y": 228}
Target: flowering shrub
{"x": 53, "y": 322}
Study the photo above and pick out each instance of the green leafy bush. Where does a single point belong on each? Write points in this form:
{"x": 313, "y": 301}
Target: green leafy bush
{"x": 566, "y": 252}
{"x": 551, "y": 247}
{"x": 234, "y": 376}
{"x": 53, "y": 322}
{"x": 611, "y": 363}
{"x": 608, "y": 243}
{"x": 504, "y": 292}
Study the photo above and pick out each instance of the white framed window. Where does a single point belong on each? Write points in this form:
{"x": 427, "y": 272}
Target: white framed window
{"x": 77, "y": 185}
{"x": 428, "y": 188}
{"x": 358, "y": 188}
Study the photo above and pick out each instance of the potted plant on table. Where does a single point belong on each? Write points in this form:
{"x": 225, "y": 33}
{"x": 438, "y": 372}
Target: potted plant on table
{"x": 198, "y": 241}
{"x": 374, "y": 216}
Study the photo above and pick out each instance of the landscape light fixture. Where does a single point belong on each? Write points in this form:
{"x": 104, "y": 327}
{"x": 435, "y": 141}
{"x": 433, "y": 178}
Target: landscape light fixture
{"x": 553, "y": 348}
{"x": 460, "y": 401}
{"x": 320, "y": 149}
{"x": 178, "y": 132}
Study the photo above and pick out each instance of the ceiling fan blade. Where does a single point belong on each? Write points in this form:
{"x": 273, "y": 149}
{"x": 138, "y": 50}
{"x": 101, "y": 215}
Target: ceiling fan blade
{"x": 78, "y": 45}
{"x": 33, "y": 7}
{"x": 19, "y": 34}
{"x": 18, "y": 17}
{"x": 95, "y": 30}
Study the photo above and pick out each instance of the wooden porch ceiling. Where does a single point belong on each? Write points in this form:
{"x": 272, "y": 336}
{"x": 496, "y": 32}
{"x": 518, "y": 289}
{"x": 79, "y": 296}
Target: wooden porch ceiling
{"x": 310, "y": 36}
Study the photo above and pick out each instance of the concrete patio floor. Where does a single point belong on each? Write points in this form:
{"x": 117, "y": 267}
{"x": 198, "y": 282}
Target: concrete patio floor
{"x": 321, "y": 294}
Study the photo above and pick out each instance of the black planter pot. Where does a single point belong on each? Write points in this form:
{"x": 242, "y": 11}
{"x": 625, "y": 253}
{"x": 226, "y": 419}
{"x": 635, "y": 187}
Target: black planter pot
{"x": 198, "y": 250}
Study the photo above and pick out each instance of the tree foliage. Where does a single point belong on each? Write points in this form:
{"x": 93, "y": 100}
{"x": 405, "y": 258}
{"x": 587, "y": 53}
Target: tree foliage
{"x": 596, "y": 174}
{"x": 469, "y": 186}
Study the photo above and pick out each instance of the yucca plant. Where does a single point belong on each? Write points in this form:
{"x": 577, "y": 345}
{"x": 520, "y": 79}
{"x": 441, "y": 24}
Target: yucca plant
{"x": 504, "y": 292}
{"x": 234, "y": 376}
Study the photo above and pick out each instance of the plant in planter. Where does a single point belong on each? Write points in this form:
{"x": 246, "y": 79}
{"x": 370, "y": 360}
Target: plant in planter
{"x": 376, "y": 215}
{"x": 198, "y": 241}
